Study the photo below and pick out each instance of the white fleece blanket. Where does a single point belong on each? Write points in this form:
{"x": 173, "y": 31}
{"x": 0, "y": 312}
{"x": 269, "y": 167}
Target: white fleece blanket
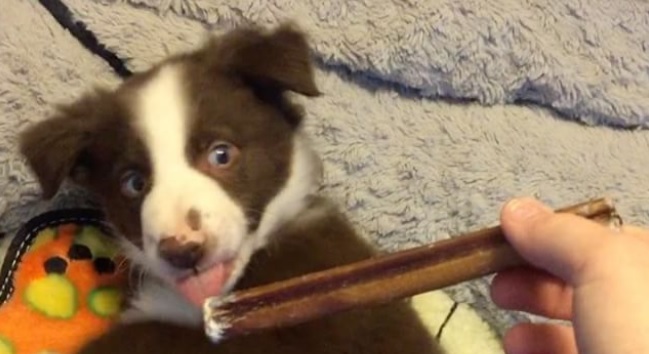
{"x": 434, "y": 113}
{"x": 587, "y": 59}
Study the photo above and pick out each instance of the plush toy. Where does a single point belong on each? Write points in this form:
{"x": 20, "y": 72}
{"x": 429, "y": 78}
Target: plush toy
{"x": 62, "y": 283}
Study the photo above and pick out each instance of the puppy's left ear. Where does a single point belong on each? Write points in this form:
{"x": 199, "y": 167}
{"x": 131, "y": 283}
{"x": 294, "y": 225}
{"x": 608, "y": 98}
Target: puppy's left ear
{"x": 52, "y": 147}
{"x": 279, "y": 60}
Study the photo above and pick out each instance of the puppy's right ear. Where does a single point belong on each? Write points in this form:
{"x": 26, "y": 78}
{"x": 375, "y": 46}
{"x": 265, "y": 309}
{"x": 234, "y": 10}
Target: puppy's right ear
{"x": 279, "y": 59}
{"x": 53, "y": 147}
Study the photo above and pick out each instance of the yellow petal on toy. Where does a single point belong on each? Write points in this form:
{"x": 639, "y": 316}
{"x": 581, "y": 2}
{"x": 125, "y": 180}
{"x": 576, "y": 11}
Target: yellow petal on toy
{"x": 97, "y": 241}
{"x": 6, "y": 347}
{"x": 105, "y": 302}
{"x": 53, "y": 296}
{"x": 43, "y": 237}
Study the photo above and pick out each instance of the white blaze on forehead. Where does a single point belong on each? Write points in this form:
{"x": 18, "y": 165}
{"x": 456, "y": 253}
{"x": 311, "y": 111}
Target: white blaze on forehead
{"x": 162, "y": 121}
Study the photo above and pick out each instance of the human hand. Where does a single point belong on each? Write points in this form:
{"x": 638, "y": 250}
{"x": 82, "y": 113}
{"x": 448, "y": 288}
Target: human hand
{"x": 582, "y": 272}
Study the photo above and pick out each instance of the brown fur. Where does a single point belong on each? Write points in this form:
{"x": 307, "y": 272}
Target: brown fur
{"x": 237, "y": 85}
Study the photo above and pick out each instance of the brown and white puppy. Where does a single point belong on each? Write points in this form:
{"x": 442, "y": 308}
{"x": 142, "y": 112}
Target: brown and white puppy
{"x": 202, "y": 166}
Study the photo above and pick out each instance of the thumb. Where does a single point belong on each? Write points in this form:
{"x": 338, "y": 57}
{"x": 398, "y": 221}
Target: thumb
{"x": 559, "y": 243}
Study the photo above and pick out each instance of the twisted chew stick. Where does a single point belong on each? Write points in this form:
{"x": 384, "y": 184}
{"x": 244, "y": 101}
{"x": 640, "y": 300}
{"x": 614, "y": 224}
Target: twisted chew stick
{"x": 374, "y": 281}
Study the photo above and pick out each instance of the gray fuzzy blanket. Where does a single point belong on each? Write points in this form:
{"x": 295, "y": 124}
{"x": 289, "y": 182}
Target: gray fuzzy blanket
{"x": 435, "y": 111}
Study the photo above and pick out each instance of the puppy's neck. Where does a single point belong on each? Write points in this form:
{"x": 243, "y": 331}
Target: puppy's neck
{"x": 303, "y": 182}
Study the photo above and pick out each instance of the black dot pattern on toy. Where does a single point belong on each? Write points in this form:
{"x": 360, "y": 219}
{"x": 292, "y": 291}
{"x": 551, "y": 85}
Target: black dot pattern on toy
{"x": 79, "y": 252}
{"x": 104, "y": 265}
{"x": 55, "y": 265}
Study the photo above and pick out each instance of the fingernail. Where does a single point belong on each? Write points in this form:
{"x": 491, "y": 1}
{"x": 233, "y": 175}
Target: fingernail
{"x": 525, "y": 208}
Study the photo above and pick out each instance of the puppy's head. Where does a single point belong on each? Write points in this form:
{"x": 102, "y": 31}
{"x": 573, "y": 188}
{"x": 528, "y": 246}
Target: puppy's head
{"x": 197, "y": 160}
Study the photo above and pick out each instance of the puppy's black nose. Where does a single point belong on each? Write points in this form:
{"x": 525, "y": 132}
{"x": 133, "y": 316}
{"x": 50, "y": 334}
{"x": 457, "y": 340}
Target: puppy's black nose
{"x": 184, "y": 255}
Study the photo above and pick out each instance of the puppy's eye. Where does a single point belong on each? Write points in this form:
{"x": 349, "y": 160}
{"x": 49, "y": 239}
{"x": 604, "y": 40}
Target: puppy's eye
{"x": 133, "y": 184}
{"x": 221, "y": 154}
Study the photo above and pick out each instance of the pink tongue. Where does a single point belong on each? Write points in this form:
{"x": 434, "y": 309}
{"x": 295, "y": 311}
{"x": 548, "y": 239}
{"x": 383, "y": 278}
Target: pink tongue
{"x": 197, "y": 288}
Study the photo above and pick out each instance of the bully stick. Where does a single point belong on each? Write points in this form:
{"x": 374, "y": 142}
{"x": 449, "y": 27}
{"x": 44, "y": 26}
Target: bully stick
{"x": 375, "y": 281}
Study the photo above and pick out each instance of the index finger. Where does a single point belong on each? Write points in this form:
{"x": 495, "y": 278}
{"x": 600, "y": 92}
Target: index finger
{"x": 559, "y": 243}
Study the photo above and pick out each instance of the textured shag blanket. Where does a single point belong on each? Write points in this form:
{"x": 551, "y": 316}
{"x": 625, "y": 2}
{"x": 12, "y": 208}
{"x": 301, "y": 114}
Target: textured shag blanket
{"x": 435, "y": 111}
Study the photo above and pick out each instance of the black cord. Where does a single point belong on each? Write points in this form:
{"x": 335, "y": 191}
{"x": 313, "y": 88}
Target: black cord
{"x": 78, "y": 29}
{"x": 446, "y": 320}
